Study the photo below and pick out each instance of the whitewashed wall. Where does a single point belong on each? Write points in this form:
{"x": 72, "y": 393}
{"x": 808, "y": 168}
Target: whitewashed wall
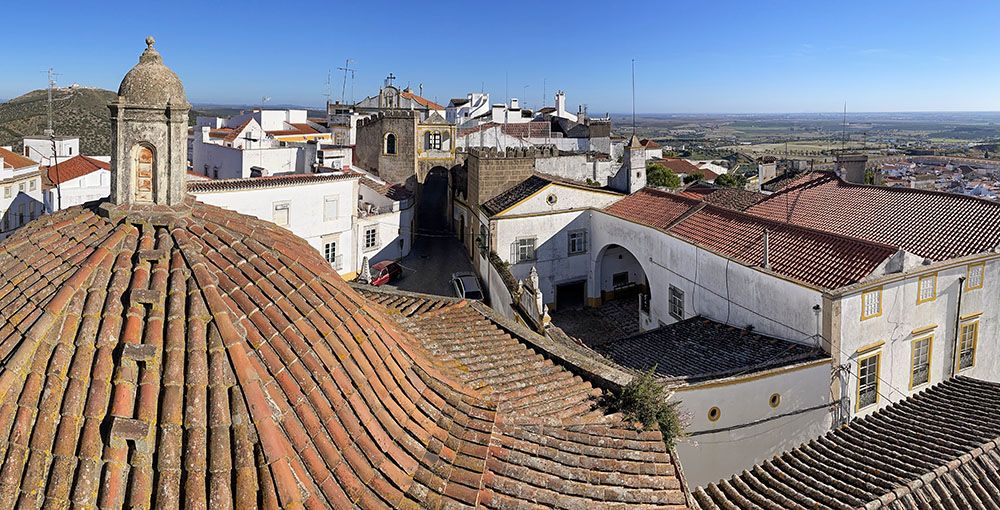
{"x": 83, "y": 189}
{"x": 306, "y": 217}
{"x": 901, "y": 315}
{"x": 713, "y": 286}
{"x": 749, "y": 430}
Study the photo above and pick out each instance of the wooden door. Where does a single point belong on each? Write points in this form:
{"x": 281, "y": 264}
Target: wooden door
{"x": 144, "y": 175}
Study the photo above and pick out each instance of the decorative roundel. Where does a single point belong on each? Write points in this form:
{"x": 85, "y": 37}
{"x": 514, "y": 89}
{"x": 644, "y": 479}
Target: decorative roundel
{"x": 714, "y": 414}
{"x": 551, "y": 199}
{"x": 775, "y": 400}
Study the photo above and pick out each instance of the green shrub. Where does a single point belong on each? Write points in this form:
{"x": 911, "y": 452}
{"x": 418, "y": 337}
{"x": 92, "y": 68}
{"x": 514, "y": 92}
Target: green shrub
{"x": 657, "y": 175}
{"x": 644, "y": 400}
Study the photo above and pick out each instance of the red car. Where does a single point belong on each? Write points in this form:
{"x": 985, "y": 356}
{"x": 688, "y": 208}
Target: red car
{"x": 386, "y": 272}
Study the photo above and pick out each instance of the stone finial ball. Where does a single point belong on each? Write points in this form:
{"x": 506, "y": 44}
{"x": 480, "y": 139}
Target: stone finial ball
{"x": 150, "y": 41}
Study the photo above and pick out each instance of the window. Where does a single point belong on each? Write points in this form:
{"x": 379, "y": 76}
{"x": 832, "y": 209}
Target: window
{"x": 330, "y": 254}
{"x": 676, "y": 304}
{"x": 32, "y": 184}
{"x": 619, "y": 280}
{"x": 484, "y": 236}
{"x": 920, "y": 361}
{"x": 577, "y": 242}
{"x": 280, "y": 214}
{"x": 968, "y": 337}
{"x": 20, "y": 186}
{"x": 70, "y": 151}
{"x": 434, "y": 140}
{"x": 868, "y": 373}
{"x": 20, "y": 214}
{"x": 871, "y": 303}
{"x": 143, "y": 174}
{"x": 371, "y": 237}
{"x": 974, "y": 278}
{"x": 330, "y": 205}
{"x": 6, "y": 191}
{"x": 524, "y": 250}
{"x": 927, "y": 288}
{"x": 390, "y": 144}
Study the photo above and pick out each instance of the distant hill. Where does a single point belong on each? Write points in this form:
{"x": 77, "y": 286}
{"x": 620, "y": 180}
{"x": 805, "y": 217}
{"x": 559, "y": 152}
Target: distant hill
{"x": 79, "y": 111}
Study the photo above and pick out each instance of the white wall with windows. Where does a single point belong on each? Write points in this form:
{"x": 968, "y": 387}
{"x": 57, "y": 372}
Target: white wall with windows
{"x": 901, "y": 333}
{"x": 323, "y": 213}
{"x": 86, "y": 188}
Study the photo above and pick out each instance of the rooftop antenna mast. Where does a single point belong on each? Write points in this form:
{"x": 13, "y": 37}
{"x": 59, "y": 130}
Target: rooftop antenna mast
{"x": 343, "y": 89}
{"x": 51, "y": 84}
{"x": 329, "y": 86}
{"x": 633, "y": 97}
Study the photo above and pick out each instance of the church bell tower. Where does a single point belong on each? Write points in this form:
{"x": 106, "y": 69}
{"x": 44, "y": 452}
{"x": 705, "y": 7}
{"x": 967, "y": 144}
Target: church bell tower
{"x": 149, "y": 122}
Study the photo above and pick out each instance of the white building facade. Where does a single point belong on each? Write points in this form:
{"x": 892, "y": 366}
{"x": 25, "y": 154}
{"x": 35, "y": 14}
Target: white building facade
{"x": 20, "y": 191}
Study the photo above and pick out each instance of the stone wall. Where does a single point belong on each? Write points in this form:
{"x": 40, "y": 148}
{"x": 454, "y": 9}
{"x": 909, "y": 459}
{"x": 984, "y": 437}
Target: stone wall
{"x": 371, "y": 133}
{"x": 492, "y": 172}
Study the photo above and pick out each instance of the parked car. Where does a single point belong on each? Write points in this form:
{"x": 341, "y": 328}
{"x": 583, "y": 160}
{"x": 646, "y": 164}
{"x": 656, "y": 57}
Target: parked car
{"x": 386, "y": 271}
{"x": 466, "y": 285}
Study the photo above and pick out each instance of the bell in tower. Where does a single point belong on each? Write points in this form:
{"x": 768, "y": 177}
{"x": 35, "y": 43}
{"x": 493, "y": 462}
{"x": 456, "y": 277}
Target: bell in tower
{"x": 149, "y": 122}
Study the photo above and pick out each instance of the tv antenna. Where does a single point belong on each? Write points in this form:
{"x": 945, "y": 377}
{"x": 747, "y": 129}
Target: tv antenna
{"x": 51, "y": 84}
{"x": 843, "y": 140}
{"x": 343, "y": 88}
{"x": 329, "y": 86}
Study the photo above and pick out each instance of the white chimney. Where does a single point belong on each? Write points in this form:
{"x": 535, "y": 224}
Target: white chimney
{"x": 514, "y": 103}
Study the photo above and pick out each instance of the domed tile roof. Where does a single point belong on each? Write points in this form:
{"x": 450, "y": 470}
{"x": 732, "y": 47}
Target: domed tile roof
{"x": 150, "y": 83}
{"x": 203, "y": 358}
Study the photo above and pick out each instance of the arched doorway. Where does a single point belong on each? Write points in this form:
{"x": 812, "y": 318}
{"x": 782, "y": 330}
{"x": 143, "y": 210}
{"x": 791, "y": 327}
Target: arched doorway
{"x": 618, "y": 275}
{"x": 432, "y": 210}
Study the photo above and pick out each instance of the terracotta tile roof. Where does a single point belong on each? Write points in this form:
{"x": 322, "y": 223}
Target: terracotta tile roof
{"x": 296, "y": 129}
{"x": 811, "y": 256}
{"x": 74, "y": 167}
{"x": 209, "y": 358}
{"x": 653, "y": 207}
{"x": 515, "y": 194}
{"x": 698, "y": 349}
{"x": 274, "y": 181}
{"x": 233, "y": 134}
{"x": 581, "y": 442}
{"x": 396, "y": 192}
{"x": 808, "y": 255}
{"x": 930, "y": 224}
{"x": 734, "y": 198}
{"x": 15, "y": 160}
{"x": 934, "y": 450}
{"x": 678, "y": 166}
{"x": 421, "y": 100}
{"x": 650, "y": 144}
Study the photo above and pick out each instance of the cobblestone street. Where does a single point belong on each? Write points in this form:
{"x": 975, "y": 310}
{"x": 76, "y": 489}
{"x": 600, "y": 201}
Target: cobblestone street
{"x": 430, "y": 264}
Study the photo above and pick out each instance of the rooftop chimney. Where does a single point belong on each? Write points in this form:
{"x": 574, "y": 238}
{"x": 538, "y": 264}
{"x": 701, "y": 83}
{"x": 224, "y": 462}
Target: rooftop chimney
{"x": 851, "y": 167}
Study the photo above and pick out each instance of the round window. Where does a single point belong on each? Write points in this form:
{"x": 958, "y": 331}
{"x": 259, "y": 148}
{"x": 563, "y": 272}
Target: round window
{"x": 775, "y": 400}
{"x": 551, "y": 199}
{"x": 714, "y": 414}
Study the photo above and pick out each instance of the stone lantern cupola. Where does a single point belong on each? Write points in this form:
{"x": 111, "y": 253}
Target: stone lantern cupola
{"x": 149, "y": 123}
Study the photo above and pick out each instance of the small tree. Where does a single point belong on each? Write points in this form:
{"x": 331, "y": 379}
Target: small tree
{"x": 657, "y": 175}
{"x": 731, "y": 181}
{"x": 694, "y": 177}
{"x": 644, "y": 400}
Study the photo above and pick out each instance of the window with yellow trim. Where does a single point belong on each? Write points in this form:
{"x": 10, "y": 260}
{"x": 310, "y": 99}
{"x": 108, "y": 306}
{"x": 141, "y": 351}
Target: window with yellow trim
{"x": 868, "y": 379}
{"x": 975, "y": 275}
{"x": 871, "y": 303}
{"x": 968, "y": 337}
{"x": 920, "y": 361}
{"x": 927, "y": 288}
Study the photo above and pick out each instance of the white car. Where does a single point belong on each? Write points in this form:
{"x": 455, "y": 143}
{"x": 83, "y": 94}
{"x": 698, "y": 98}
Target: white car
{"x": 466, "y": 285}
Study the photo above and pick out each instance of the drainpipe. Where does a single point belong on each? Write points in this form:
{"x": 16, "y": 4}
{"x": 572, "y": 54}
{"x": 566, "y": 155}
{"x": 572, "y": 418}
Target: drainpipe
{"x": 958, "y": 323}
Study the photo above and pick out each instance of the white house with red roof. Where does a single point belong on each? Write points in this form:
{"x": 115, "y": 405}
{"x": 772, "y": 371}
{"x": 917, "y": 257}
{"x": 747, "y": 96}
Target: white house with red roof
{"x": 20, "y": 191}
{"x": 75, "y": 181}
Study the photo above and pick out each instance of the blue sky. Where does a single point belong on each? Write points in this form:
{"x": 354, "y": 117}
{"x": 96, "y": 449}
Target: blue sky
{"x": 697, "y": 56}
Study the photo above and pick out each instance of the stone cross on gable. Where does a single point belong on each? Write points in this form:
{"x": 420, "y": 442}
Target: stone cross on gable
{"x": 388, "y": 79}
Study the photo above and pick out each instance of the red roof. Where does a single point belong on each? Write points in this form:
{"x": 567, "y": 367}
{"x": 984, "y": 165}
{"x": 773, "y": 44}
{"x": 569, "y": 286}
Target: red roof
{"x": 650, "y": 144}
{"x": 677, "y": 165}
{"x": 232, "y": 135}
{"x": 422, "y": 100}
{"x": 297, "y": 129}
{"x": 930, "y": 224}
{"x": 818, "y": 258}
{"x": 652, "y": 207}
{"x": 15, "y": 160}
{"x": 74, "y": 167}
